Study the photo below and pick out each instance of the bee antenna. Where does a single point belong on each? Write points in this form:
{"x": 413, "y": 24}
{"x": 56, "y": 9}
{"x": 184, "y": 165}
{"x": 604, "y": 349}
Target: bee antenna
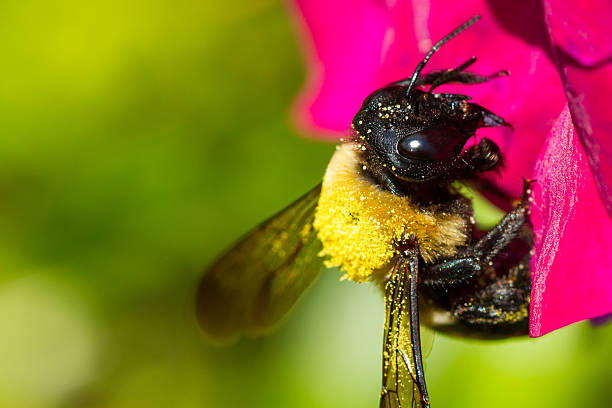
{"x": 436, "y": 47}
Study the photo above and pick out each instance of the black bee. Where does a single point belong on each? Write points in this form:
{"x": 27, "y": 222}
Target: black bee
{"x": 388, "y": 210}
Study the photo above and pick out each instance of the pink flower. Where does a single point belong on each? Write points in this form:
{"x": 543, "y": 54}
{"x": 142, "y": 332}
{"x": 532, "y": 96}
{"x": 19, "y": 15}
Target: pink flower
{"x": 557, "y": 99}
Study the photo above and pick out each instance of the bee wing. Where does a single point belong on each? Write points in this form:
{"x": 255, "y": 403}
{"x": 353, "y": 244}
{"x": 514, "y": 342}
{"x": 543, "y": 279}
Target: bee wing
{"x": 428, "y": 335}
{"x": 257, "y": 281}
{"x": 403, "y": 382}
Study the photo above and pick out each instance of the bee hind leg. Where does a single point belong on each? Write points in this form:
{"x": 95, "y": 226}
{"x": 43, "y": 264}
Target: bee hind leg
{"x": 499, "y": 308}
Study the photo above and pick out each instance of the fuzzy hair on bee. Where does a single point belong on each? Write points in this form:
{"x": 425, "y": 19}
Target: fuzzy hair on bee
{"x": 359, "y": 222}
{"x": 389, "y": 211}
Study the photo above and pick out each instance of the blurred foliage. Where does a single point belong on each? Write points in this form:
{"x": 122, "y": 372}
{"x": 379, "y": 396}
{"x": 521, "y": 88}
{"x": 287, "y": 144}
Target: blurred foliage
{"x": 138, "y": 140}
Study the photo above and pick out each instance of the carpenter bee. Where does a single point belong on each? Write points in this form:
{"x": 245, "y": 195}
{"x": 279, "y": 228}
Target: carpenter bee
{"x": 389, "y": 211}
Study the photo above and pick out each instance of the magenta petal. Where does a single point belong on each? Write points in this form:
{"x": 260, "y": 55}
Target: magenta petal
{"x": 581, "y": 29}
{"x": 589, "y": 94}
{"x": 581, "y": 35}
{"x": 572, "y": 265}
{"x": 530, "y": 99}
{"x": 355, "y": 46}
{"x": 345, "y": 43}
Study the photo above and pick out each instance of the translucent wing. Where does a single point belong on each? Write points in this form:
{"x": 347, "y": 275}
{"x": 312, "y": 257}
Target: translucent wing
{"x": 428, "y": 335}
{"x": 257, "y": 281}
{"x": 403, "y": 382}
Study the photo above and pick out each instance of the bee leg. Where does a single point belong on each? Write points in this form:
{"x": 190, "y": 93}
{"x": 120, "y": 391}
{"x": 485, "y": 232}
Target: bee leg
{"x": 466, "y": 78}
{"x": 475, "y": 258}
{"x": 501, "y": 307}
{"x": 437, "y": 78}
{"x": 452, "y": 273}
{"x": 458, "y": 76}
{"x": 506, "y": 231}
{"x": 481, "y": 157}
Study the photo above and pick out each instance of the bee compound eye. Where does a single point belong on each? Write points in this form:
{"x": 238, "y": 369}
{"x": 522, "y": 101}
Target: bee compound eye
{"x": 429, "y": 144}
{"x": 417, "y": 147}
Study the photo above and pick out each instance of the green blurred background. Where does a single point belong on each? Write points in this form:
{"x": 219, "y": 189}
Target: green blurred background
{"x": 138, "y": 140}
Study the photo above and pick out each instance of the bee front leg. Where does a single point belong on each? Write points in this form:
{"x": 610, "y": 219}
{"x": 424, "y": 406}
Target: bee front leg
{"x": 468, "y": 266}
{"x": 506, "y": 231}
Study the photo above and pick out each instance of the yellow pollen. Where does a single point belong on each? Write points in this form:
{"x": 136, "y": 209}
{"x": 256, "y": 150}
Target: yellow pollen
{"x": 359, "y": 223}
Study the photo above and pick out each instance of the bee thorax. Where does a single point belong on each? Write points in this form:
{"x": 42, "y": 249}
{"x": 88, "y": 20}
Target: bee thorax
{"x": 359, "y": 223}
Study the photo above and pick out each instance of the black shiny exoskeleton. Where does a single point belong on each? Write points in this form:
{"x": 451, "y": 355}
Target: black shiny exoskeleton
{"x": 415, "y": 140}
{"x": 408, "y": 142}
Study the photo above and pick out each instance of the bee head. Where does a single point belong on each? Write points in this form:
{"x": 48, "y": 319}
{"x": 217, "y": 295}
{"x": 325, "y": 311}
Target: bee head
{"x": 419, "y": 135}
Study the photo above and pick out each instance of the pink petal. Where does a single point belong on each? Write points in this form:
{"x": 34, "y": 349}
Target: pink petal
{"x": 530, "y": 99}
{"x": 345, "y": 43}
{"x": 356, "y": 46}
{"x": 581, "y": 29}
{"x": 581, "y": 35}
{"x": 572, "y": 265}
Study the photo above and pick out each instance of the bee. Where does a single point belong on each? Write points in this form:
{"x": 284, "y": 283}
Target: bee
{"x": 389, "y": 210}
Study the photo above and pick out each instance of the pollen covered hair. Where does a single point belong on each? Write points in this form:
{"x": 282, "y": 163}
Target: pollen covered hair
{"x": 359, "y": 223}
